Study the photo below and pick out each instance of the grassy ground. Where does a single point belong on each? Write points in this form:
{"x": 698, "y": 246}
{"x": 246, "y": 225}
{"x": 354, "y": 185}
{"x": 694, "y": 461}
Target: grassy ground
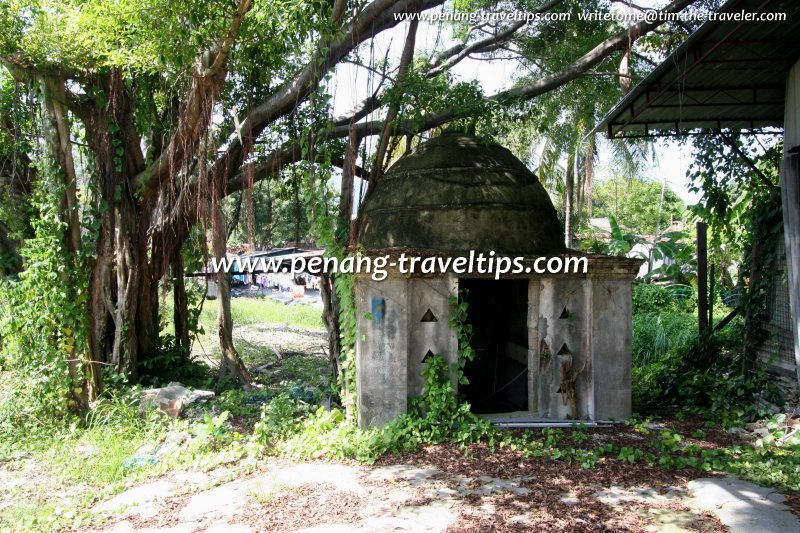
{"x": 259, "y": 310}
{"x": 250, "y": 310}
{"x": 53, "y": 479}
{"x": 264, "y": 332}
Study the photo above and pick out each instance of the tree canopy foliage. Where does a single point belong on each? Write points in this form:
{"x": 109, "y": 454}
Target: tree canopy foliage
{"x": 637, "y": 204}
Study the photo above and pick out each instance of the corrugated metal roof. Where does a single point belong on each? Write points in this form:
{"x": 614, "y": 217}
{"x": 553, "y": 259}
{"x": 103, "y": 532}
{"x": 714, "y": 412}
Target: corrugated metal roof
{"x": 726, "y": 75}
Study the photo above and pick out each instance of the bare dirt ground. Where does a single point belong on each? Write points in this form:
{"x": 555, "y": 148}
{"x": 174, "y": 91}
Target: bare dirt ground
{"x": 261, "y": 342}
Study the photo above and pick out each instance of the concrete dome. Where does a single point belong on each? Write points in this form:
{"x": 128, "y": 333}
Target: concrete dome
{"x": 454, "y": 193}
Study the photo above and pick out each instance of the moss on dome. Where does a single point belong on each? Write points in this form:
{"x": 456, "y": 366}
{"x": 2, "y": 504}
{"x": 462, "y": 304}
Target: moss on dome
{"x": 453, "y": 194}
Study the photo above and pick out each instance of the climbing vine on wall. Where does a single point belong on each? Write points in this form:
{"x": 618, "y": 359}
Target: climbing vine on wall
{"x": 766, "y": 227}
{"x": 348, "y": 330}
{"x": 439, "y": 413}
{"x": 740, "y": 202}
{"x": 463, "y": 329}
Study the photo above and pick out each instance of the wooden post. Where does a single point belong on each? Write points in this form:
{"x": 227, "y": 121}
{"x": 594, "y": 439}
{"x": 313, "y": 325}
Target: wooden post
{"x": 710, "y": 323}
{"x": 702, "y": 278}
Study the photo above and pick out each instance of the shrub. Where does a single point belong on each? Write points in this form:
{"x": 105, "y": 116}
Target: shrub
{"x": 437, "y": 416}
{"x": 650, "y": 298}
{"x": 702, "y": 376}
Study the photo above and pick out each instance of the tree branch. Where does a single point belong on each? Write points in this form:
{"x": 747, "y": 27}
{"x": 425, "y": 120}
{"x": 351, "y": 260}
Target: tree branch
{"x": 574, "y": 70}
{"x": 233, "y": 171}
{"x": 452, "y": 56}
{"x": 591, "y": 58}
{"x": 376, "y": 17}
{"x": 405, "y": 61}
{"x": 208, "y": 75}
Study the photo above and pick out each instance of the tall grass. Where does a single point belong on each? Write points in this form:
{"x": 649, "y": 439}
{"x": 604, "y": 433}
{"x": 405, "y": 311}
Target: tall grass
{"x": 654, "y": 334}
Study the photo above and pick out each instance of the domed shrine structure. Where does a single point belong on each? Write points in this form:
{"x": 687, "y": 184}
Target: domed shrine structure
{"x": 548, "y": 346}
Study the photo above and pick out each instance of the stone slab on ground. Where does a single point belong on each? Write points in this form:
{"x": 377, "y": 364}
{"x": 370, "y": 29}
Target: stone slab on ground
{"x": 225, "y": 501}
{"x": 224, "y": 527}
{"x": 740, "y": 506}
{"x": 127, "y": 527}
{"x": 343, "y": 478}
{"x": 141, "y": 500}
{"x": 743, "y": 506}
{"x": 434, "y": 516}
{"x": 672, "y": 521}
{"x": 615, "y": 496}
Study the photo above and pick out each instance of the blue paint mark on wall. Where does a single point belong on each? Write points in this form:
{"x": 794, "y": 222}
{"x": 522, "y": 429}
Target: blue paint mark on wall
{"x": 378, "y": 309}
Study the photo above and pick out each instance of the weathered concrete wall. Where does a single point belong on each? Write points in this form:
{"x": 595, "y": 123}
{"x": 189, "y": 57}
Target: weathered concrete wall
{"x": 611, "y": 347}
{"x": 381, "y": 349}
{"x": 433, "y": 334}
{"x": 563, "y": 338}
{"x": 586, "y": 322}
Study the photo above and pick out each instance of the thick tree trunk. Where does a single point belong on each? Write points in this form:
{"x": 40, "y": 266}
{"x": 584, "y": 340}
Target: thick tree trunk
{"x": 180, "y": 304}
{"x": 231, "y": 367}
{"x": 330, "y": 316}
{"x": 127, "y": 267}
{"x": 126, "y": 277}
{"x": 330, "y": 300}
{"x": 147, "y": 320}
{"x": 102, "y": 293}
{"x": 124, "y": 353}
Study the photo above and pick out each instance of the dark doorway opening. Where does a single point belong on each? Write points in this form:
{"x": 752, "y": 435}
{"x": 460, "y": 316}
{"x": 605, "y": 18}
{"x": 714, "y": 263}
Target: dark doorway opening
{"x": 498, "y": 376}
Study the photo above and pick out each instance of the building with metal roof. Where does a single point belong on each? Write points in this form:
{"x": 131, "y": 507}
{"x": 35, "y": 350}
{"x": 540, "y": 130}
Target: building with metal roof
{"x": 727, "y": 75}
{"x": 735, "y": 74}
